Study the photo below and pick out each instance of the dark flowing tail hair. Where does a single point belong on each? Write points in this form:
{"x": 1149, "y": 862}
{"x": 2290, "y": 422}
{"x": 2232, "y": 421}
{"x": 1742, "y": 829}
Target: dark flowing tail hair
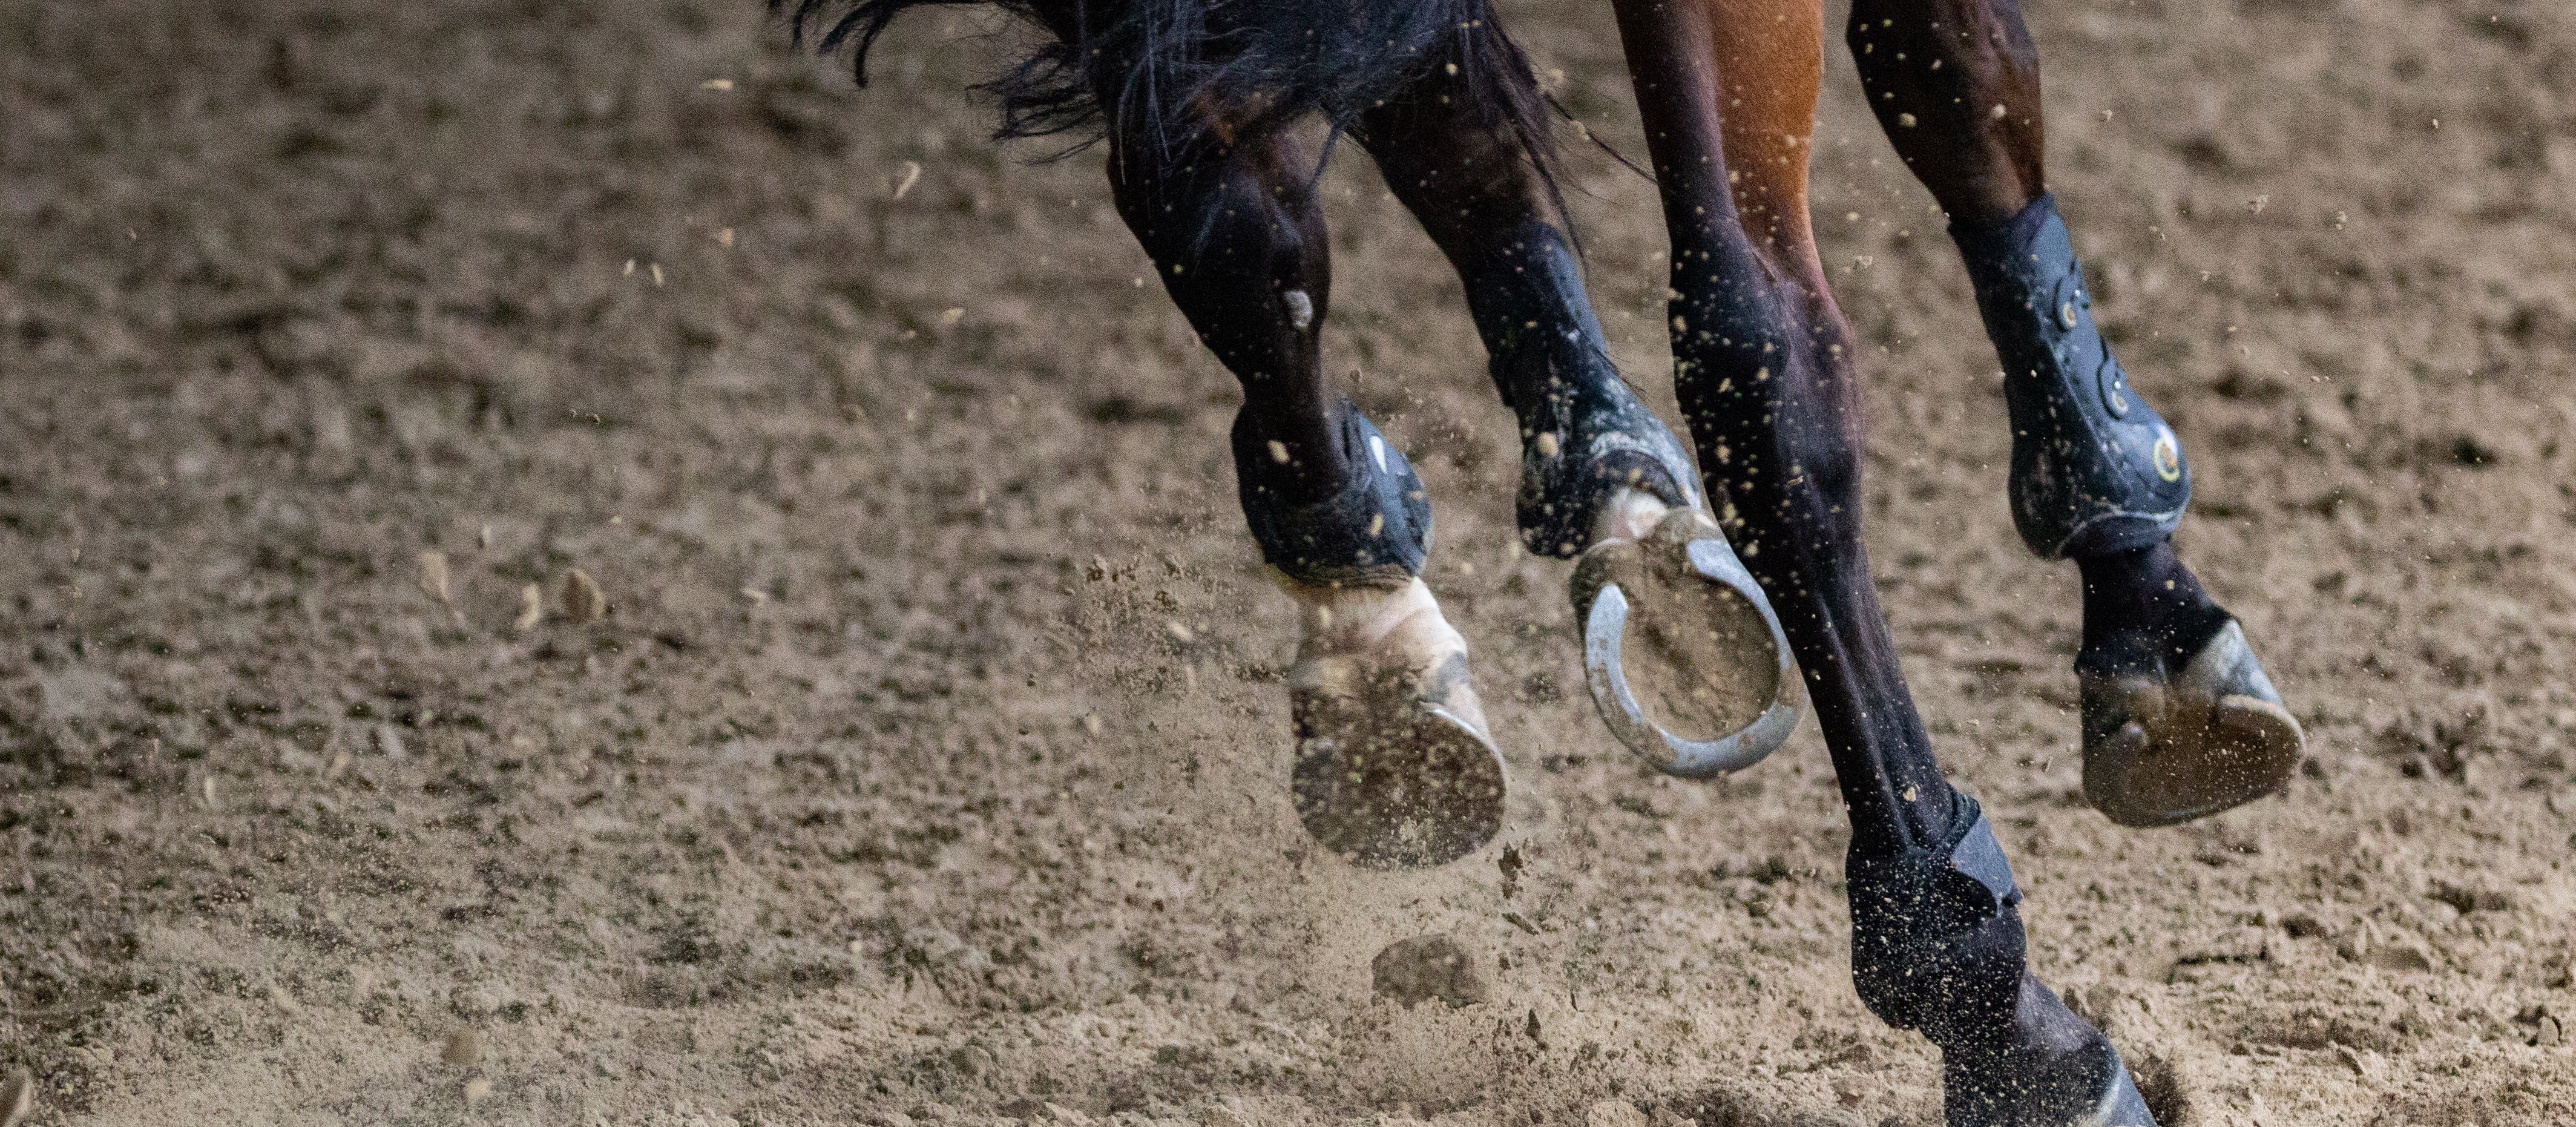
{"x": 1169, "y": 71}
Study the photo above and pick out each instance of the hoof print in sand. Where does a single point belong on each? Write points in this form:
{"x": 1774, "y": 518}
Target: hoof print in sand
{"x": 1430, "y": 968}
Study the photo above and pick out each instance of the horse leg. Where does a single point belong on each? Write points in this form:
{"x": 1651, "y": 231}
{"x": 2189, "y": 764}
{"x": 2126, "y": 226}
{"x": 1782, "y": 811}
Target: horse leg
{"x": 2179, "y": 720}
{"x": 1601, "y": 477}
{"x": 1764, "y": 370}
{"x": 1394, "y": 765}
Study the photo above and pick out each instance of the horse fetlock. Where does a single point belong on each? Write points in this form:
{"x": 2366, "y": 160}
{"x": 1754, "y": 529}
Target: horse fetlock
{"x": 1938, "y": 947}
{"x": 1584, "y": 434}
{"x": 1583, "y": 448}
{"x": 2094, "y": 468}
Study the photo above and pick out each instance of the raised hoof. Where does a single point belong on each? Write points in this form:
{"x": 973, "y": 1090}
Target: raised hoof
{"x": 2162, "y": 751}
{"x": 2058, "y": 1072}
{"x": 1394, "y": 768}
{"x": 1684, "y": 656}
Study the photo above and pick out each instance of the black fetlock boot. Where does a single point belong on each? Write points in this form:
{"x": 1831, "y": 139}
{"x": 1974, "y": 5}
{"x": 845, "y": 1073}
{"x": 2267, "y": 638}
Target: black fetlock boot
{"x": 1937, "y": 946}
{"x": 1584, "y": 435}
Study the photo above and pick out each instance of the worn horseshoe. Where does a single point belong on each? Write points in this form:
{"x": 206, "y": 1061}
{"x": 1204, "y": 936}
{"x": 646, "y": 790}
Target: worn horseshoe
{"x": 1604, "y": 638}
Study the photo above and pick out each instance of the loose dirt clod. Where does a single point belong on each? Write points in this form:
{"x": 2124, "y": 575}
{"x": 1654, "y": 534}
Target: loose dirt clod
{"x": 1431, "y": 967}
{"x": 463, "y": 1049}
{"x": 1613, "y": 1113}
{"x": 582, "y": 601}
{"x": 477, "y": 1090}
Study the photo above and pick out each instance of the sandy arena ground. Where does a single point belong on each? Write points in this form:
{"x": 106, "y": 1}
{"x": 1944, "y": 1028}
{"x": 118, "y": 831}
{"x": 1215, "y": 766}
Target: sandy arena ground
{"x": 928, "y": 765}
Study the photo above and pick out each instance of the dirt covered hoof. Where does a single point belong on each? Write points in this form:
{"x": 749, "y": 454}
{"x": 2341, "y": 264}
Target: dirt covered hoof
{"x": 1394, "y": 766}
{"x": 1413, "y": 786}
{"x": 2159, "y": 752}
{"x": 1681, "y": 651}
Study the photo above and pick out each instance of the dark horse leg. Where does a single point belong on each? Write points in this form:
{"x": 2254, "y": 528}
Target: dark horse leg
{"x": 2179, "y": 720}
{"x": 1601, "y": 477}
{"x": 1764, "y": 369}
{"x": 1394, "y": 765}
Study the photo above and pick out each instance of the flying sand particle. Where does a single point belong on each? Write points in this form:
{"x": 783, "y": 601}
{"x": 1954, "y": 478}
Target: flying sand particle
{"x": 433, "y": 576}
{"x": 532, "y": 608}
{"x": 582, "y": 600}
{"x": 905, "y": 177}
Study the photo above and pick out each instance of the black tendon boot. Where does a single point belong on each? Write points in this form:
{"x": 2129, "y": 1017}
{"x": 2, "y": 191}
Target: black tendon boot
{"x": 1937, "y": 946}
{"x": 2094, "y": 468}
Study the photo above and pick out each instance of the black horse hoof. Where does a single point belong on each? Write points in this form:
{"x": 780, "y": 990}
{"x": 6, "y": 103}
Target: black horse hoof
{"x": 2161, "y": 750}
{"x": 1684, "y": 656}
{"x": 2053, "y": 1070}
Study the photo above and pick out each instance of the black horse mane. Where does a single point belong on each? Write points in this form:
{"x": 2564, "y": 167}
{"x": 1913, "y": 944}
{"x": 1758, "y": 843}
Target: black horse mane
{"x": 1172, "y": 69}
